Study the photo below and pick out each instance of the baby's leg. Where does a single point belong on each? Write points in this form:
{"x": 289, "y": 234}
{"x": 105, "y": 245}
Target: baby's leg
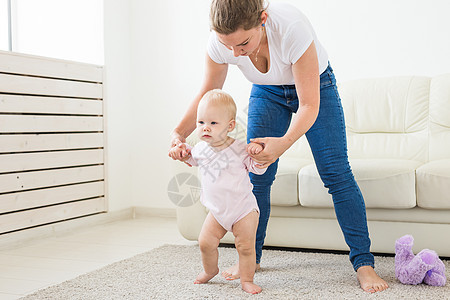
{"x": 208, "y": 241}
{"x": 245, "y": 235}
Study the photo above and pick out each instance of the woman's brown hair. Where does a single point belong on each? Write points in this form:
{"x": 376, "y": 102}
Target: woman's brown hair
{"x": 227, "y": 16}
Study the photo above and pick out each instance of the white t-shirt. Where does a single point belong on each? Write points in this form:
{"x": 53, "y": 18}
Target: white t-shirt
{"x": 289, "y": 34}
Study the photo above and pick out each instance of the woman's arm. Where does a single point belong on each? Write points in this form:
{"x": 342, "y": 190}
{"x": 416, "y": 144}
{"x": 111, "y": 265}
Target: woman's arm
{"x": 307, "y": 82}
{"x": 215, "y": 75}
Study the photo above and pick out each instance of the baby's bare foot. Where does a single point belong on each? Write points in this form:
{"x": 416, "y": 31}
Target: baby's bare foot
{"x": 204, "y": 277}
{"x": 232, "y": 273}
{"x": 369, "y": 280}
{"x": 251, "y": 288}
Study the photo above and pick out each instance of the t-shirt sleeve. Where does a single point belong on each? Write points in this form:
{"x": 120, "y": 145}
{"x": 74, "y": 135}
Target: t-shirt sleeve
{"x": 191, "y": 160}
{"x": 297, "y": 40}
{"x": 214, "y": 50}
{"x": 251, "y": 166}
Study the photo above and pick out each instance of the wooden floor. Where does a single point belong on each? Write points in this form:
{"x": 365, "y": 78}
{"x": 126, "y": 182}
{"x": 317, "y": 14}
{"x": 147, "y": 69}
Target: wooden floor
{"x": 50, "y": 261}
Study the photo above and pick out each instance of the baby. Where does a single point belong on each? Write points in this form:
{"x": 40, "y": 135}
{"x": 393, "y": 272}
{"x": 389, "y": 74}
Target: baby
{"x": 224, "y": 164}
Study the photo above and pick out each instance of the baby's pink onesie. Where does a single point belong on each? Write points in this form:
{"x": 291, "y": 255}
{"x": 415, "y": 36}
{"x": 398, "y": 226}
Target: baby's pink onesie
{"x": 226, "y": 187}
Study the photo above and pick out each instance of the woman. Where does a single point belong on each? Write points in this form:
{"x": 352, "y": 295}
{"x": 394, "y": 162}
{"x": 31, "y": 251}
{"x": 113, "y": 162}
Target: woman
{"x": 277, "y": 50}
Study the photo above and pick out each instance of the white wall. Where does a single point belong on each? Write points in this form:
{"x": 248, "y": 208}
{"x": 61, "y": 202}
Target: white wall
{"x": 167, "y": 45}
{"x": 4, "y": 45}
{"x": 119, "y": 107}
{"x": 383, "y": 38}
{"x": 69, "y": 29}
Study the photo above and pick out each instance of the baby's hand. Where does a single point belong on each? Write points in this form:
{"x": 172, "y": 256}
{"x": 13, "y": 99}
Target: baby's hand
{"x": 254, "y": 148}
{"x": 180, "y": 152}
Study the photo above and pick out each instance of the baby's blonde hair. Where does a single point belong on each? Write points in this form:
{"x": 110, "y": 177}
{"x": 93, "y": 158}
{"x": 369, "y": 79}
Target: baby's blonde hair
{"x": 220, "y": 98}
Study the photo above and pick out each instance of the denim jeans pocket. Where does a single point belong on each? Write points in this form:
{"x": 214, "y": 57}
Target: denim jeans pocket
{"x": 325, "y": 82}
{"x": 327, "y": 78}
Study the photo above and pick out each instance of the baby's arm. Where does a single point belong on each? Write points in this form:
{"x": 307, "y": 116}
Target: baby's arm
{"x": 252, "y": 166}
{"x": 183, "y": 151}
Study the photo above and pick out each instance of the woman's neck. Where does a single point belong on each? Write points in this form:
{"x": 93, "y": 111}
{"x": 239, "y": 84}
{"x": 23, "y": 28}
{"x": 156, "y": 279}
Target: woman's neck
{"x": 262, "y": 43}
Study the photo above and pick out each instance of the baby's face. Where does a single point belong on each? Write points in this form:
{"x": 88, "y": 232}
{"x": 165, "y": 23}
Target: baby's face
{"x": 213, "y": 124}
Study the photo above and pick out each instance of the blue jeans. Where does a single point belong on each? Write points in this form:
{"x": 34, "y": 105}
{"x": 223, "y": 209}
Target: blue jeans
{"x": 269, "y": 115}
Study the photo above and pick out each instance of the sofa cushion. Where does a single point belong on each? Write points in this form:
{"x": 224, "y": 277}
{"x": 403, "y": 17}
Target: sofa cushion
{"x": 433, "y": 185}
{"x": 284, "y": 189}
{"x": 384, "y": 183}
{"x": 387, "y": 118}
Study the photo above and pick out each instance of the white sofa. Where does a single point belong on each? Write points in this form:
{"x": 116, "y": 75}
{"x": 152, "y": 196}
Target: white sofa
{"x": 398, "y": 133}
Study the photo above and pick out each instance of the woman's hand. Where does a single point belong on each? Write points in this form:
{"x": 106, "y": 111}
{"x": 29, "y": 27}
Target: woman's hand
{"x": 273, "y": 148}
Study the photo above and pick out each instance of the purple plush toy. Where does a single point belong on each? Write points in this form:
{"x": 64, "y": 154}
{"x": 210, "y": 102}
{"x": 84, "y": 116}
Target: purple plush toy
{"x": 425, "y": 267}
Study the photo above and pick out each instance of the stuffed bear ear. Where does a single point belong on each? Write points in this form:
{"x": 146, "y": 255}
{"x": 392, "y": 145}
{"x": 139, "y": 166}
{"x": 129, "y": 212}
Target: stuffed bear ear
{"x": 403, "y": 249}
{"x": 406, "y": 240}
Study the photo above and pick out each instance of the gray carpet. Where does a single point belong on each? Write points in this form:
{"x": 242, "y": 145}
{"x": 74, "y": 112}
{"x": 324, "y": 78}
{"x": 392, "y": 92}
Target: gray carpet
{"x": 168, "y": 272}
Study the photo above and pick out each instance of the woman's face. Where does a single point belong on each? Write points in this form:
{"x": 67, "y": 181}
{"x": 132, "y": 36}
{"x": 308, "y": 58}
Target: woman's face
{"x": 242, "y": 42}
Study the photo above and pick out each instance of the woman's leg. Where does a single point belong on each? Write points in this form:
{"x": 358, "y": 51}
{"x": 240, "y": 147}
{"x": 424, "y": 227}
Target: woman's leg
{"x": 328, "y": 143}
{"x": 269, "y": 115}
{"x": 327, "y": 139}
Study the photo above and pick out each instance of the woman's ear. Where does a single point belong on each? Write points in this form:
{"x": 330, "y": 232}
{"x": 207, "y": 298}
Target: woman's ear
{"x": 231, "y": 125}
{"x": 264, "y": 17}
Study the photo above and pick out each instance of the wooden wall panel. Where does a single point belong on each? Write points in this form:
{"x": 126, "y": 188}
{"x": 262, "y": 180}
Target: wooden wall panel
{"x": 20, "y": 162}
{"x": 50, "y": 105}
{"x": 49, "y": 123}
{"x": 48, "y": 142}
{"x": 26, "y": 85}
{"x": 50, "y": 214}
{"x": 49, "y": 196}
{"x": 54, "y": 68}
{"x": 51, "y": 141}
{"x": 16, "y": 182}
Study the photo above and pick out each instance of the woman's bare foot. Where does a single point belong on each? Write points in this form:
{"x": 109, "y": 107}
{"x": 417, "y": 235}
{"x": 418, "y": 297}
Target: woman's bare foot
{"x": 232, "y": 272}
{"x": 251, "y": 288}
{"x": 204, "y": 277}
{"x": 369, "y": 280}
